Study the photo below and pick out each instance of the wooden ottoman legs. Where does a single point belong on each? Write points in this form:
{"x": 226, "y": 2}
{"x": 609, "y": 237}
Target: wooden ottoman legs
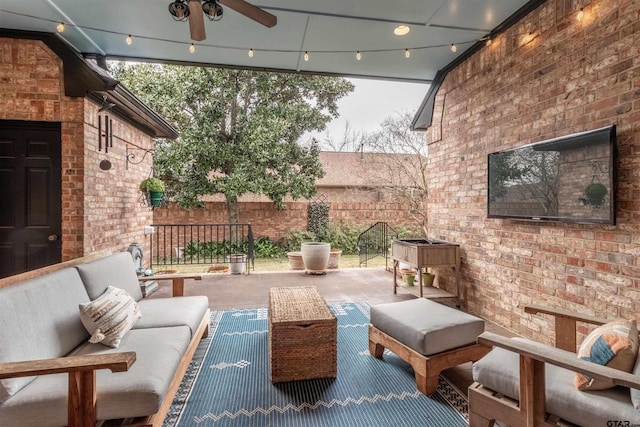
{"x": 426, "y": 368}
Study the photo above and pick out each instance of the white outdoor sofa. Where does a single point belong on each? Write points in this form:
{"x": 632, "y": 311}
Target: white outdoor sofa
{"x": 51, "y": 376}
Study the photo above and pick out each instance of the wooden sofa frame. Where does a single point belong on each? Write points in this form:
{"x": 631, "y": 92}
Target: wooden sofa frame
{"x": 81, "y": 370}
{"x": 487, "y": 406}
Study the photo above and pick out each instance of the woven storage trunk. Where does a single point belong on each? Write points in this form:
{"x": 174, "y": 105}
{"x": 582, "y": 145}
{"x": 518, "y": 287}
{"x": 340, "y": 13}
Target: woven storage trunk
{"x": 303, "y": 335}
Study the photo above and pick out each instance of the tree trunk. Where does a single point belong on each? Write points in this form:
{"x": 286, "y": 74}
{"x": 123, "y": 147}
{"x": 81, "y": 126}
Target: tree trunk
{"x": 233, "y": 213}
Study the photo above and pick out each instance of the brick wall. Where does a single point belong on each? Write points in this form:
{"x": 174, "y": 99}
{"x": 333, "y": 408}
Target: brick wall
{"x": 573, "y": 76}
{"x": 99, "y": 208}
{"x": 266, "y": 220}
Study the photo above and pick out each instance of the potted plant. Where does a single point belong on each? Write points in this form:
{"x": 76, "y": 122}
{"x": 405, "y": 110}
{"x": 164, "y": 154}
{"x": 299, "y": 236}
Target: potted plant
{"x": 334, "y": 258}
{"x": 153, "y": 189}
{"x": 595, "y": 193}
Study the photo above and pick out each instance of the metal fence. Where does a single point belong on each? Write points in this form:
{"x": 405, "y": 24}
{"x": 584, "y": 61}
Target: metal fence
{"x": 202, "y": 244}
{"x": 376, "y": 241}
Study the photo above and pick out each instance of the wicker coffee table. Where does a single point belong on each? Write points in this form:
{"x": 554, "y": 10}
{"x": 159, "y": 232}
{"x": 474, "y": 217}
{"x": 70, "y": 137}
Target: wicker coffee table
{"x": 303, "y": 335}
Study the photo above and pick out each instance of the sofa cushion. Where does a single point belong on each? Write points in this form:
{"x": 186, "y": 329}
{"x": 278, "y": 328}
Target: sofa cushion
{"x": 137, "y": 392}
{"x": 499, "y": 371}
{"x": 116, "y": 270}
{"x": 108, "y": 317}
{"x": 39, "y": 320}
{"x": 426, "y": 326}
{"x": 176, "y": 311}
{"x": 615, "y": 345}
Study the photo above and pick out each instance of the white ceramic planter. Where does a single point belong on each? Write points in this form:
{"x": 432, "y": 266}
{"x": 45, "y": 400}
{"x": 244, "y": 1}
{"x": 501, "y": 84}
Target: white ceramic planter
{"x": 236, "y": 263}
{"x": 315, "y": 256}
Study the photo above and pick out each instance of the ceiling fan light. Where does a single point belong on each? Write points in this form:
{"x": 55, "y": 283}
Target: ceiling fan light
{"x": 212, "y": 10}
{"x": 179, "y": 10}
{"x": 401, "y": 30}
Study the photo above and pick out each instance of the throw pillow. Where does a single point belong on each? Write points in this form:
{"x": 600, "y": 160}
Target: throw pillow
{"x": 110, "y": 316}
{"x": 614, "y": 345}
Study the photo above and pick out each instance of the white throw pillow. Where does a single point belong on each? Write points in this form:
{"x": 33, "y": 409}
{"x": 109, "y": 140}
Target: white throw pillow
{"x": 110, "y": 316}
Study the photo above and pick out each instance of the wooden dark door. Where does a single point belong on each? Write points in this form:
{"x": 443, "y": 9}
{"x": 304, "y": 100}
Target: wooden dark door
{"x": 30, "y": 196}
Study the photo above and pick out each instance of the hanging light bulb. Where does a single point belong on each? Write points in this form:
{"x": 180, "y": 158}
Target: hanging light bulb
{"x": 129, "y": 40}
{"x": 454, "y": 48}
{"x": 192, "y": 48}
{"x": 306, "y": 56}
{"x": 580, "y": 14}
{"x": 250, "y": 53}
{"x": 358, "y": 56}
{"x": 407, "y": 53}
{"x": 488, "y": 42}
{"x": 60, "y": 27}
{"x": 527, "y": 38}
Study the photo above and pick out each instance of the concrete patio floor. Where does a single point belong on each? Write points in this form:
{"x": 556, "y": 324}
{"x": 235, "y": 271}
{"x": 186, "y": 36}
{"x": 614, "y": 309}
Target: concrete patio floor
{"x": 370, "y": 285}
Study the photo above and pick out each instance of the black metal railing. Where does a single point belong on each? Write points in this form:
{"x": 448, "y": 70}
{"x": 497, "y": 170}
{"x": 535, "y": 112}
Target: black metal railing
{"x": 201, "y": 244}
{"x": 376, "y": 241}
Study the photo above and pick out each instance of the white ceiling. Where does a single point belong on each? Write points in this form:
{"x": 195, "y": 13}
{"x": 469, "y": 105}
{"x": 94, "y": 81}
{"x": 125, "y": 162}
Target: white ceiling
{"x": 330, "y": 30}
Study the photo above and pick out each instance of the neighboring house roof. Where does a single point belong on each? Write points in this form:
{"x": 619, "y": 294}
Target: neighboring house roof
{"x": 361, "y": 169}
{"x": 82, "y": 78}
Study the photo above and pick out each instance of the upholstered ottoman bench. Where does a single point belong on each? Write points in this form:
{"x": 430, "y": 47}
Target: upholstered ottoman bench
{"x": 429, "y": 336}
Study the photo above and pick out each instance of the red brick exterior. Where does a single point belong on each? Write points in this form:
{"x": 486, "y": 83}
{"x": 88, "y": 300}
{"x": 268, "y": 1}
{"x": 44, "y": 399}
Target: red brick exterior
{"x": 266, "y": 220}
{"x": 573, "y": 76}
{"x": 99, "y": 208}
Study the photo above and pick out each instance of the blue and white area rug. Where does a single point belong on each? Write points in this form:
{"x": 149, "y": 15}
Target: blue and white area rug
{"x": 228, "y": 383}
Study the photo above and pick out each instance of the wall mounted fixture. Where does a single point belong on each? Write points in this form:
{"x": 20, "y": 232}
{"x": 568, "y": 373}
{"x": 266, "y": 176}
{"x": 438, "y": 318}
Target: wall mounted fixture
{"x": 131, "y": 155}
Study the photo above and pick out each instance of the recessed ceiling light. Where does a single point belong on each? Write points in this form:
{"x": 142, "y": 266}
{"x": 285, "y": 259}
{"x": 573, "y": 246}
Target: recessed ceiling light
{"x": 401, "y": 30}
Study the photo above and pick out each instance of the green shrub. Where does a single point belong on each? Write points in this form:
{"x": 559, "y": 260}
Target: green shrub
{"x": 294, "y": 239}
{"x": 266, "y": 248}
{"x": 343, "y": 237}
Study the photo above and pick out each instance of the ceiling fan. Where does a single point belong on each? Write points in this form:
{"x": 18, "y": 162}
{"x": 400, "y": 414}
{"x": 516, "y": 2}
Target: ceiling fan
{"x": 195, "y": 10}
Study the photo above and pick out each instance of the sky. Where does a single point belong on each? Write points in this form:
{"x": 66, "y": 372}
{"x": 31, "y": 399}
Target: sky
{"x": 370, "y": 103}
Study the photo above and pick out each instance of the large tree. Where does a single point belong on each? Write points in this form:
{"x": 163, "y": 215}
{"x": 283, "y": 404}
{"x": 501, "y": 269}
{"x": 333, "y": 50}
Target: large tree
{"x": 401, "y": 163}
{"x": 238, "y": 129}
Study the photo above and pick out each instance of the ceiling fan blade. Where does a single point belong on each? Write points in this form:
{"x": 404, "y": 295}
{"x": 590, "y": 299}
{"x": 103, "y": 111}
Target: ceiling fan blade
{"x": 196, "y": 20}
{"x": 252, "y": 12}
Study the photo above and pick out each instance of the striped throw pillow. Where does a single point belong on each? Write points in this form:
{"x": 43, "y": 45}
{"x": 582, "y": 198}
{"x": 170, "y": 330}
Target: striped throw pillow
{"x": 110, "y": 316}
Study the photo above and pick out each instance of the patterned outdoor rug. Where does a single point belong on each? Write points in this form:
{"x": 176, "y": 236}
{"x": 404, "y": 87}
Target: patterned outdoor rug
{"x": 228, "y": 382}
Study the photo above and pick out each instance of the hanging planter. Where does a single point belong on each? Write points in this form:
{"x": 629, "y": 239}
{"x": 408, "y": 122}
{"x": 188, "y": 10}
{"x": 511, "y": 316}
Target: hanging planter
{"x": 595, "y": 193}
{"x": 153, "y": 189}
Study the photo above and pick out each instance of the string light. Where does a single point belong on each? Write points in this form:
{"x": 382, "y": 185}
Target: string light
{"x": 407, "y": 53}
{"x": 580, "y": 14}
{"x": 306, "y": 56}
{"x": 527, "y": 38}
{"x": 60, "y": 27}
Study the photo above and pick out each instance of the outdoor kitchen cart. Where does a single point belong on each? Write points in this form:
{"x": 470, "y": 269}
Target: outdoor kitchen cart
{"x": 422, "y": 253}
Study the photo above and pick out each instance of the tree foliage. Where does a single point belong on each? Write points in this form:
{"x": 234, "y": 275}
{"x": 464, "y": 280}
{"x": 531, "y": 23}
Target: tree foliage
{"x": 238, "y": 129}
{"x": 401, "y": 163}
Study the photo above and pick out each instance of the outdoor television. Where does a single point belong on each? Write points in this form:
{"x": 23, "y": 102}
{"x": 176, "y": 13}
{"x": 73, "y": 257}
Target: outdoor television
{"x": 566, "y": 179}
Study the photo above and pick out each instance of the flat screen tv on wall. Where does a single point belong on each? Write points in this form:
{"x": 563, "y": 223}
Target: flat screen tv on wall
{"x": 568, "y": 179}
